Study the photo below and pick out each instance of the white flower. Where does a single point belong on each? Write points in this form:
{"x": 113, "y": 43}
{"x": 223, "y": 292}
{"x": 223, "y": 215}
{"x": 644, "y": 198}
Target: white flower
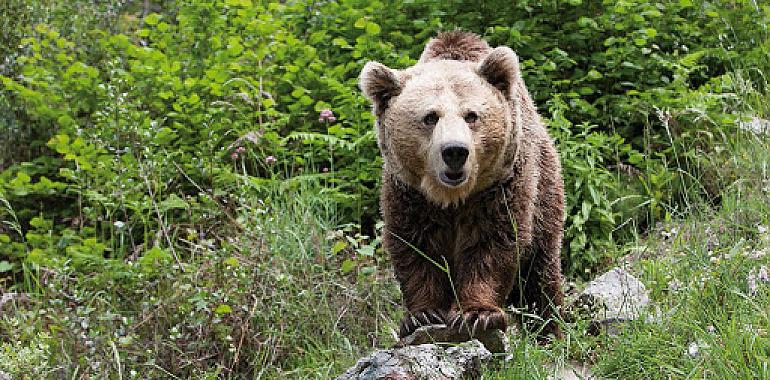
{"x": 674, "y": 285}
{"x": 755, "y": 277}
{"x": 118, "y": 224}
{"x": 693, "y": 350}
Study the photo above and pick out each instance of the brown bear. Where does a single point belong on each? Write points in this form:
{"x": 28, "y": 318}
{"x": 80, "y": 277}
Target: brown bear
{"x": 472, "y": 193}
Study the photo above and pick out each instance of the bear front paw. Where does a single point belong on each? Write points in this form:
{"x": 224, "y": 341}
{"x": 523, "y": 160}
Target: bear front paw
{"x": 414, "y": 320}
{"x": 478, "y": 319}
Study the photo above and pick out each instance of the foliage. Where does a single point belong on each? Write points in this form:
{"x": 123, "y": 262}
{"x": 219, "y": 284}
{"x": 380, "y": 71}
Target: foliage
{"x": 590, "y": 189}
{"x": 177, "y": 167}
{"x": 160, "y": 126}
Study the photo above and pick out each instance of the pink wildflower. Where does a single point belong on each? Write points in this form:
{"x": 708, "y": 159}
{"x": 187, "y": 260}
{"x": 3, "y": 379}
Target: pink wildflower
{"x": 240, "y": 149}
{"x": 755, "y": 278}
{"x": 234, "y": 156}
{"x": 325, "y": 169}
{"x": 327, "y": 116}
{"x": 270, "y": 159}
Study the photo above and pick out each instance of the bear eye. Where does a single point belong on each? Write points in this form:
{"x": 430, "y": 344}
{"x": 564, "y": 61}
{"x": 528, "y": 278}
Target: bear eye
{"x": 471, "y": 117}
{"x": 430, "y": 119}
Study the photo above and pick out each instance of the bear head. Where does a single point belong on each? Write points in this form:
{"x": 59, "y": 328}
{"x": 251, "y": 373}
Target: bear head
{"x": 447, "y": 125}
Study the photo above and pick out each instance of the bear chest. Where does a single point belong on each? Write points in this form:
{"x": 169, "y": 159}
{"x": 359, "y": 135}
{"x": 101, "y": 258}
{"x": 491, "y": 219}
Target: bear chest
{"x": 462, "y": 234}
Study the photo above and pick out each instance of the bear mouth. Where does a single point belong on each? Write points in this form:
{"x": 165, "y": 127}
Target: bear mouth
{"x": 452, "y": 178}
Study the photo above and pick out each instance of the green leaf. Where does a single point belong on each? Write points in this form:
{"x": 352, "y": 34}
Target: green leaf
{"x": 152, "y": 259}
{"x": 173, "y": 202}
{"x": 298, "y": 92}
{"x": 372, "y": 28}
{"x": 306, "y": 100}
{"x": 164, "y": 136}
{"x": 5, "y": 266}
{"x": 152, "y": 19}
{"x": 360, "y": 23}
{"x": 22, "y": 178}
{"x": 367, "y": 250}
{"x": 338, "y": 246}
{"x": 234, "y": 46}
{"x": 341, "y": 42}
{"x": 347, "y": 266}
{"x": 231, "y": 261}
{"x": 223, "y": 309}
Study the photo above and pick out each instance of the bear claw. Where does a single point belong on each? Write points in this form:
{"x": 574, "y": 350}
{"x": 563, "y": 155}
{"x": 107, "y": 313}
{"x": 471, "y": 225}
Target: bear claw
{"x": 413, "y": 321}
{"x": 473, "y": 319}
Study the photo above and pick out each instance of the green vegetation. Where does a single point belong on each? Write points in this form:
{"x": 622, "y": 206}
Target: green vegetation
{"x": 173, "y": 205}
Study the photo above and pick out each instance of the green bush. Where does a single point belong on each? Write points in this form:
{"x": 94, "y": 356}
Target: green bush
{"x": 173, "y": 202}
{"x": 170, "y": 124}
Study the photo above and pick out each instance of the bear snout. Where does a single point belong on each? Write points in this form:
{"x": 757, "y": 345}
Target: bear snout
{"x": 454, "y": 155}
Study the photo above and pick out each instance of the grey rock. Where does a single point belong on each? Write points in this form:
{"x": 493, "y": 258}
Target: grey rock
{"x": 496, "y": 341}
{"x": 14, "y": 300}
{"x": 570, "y": 371}
{"x": 424, "y": 361}
{"x": 615, "y": 296}
{"x": 756, "y": 125}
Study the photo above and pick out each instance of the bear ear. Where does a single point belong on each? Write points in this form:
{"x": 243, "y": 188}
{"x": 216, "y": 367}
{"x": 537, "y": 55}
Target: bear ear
{"x": 501, "y": 69}
{"x": 379, "y": 83}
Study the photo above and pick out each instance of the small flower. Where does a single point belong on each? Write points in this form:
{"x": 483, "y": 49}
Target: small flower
{"x": 325, "y": 169}
{"x": 693, "y": 350}
{"x": 270, "y": 159}
{"x": 762, "y": 274}
{"x": 234, "y": 156}
{"x": 118, "y": 224}
{"x": 759, "y": 253}
{"x": 240, "y": 149}
{"x": 711, "y": 329}
{"x": 327, "y": 116}
{"x": 762, "y": 229}
{"x": 674, "y": 285}
{"x": 751, "y": 282}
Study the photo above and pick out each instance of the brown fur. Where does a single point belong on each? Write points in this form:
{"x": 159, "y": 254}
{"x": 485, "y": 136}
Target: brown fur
{"x": 499, "y": 233}
{"x": 456, "y": 45}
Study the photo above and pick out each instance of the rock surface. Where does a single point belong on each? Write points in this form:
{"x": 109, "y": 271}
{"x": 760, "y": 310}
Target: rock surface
{"x": 495, "y": 341}
{"x": 571, "y": 371}
{"x": 757, "y": 125}
{"x": 424, "y": 361}
{"x": 613, "y": 297}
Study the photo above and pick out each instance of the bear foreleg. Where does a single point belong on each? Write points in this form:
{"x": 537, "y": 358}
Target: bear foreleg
{"x": 425, "y": 290}
{"x": 481, "y": 290}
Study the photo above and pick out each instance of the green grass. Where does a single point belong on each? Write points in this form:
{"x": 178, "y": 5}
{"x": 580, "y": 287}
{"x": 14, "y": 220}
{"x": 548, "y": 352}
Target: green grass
{"x": 275, "y": 301}
{"x": 295, "y": 294}
{"x": 698, "y": 270}
{"x": 709, "y": 323}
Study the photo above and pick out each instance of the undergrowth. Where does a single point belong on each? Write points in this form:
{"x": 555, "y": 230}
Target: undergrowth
{"x": 188, "y": 188}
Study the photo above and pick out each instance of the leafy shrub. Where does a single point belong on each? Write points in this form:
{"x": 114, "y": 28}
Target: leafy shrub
{"x": 171, "y": 123}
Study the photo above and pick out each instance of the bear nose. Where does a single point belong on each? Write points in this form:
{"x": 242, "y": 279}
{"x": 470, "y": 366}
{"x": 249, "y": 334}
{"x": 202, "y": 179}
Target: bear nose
{"x": 454, "y": 155}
